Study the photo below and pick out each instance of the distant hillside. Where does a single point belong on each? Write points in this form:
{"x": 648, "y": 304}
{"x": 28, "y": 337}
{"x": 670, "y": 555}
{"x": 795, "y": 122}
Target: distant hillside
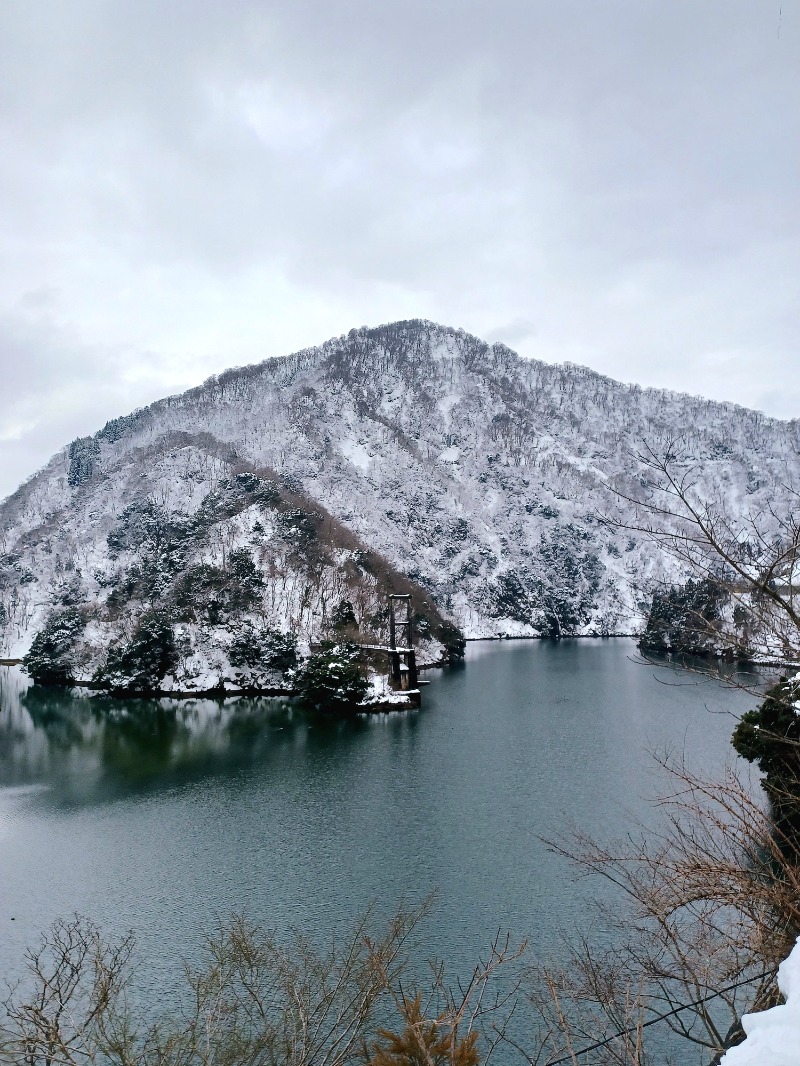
{"x": 410, "y": 454}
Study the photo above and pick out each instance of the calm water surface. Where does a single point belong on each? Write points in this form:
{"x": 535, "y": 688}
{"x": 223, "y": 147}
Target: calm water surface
{"x": 162, "y": 817}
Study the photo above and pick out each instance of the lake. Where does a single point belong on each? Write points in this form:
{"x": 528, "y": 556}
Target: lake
{"x": 163, "y": 816}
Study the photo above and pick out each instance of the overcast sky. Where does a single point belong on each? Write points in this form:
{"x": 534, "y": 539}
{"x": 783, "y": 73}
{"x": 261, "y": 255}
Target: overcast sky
{"x": 187, "y": 185}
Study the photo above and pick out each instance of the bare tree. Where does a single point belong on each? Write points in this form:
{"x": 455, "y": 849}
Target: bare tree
{"x": 753, "y": 556}
{"x": 258, "y": 1001}
{"x": 714, "y": 894}
{"x": 714, "y": 907}
{"x": 71, "y": 1007}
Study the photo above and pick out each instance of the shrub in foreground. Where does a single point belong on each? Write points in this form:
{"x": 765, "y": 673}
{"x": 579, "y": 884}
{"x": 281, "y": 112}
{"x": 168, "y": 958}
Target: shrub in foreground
{"x": 255, "y": 999}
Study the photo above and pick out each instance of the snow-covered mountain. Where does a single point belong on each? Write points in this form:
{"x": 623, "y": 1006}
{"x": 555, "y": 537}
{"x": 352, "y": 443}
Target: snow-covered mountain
{"x": 407, "y": 452}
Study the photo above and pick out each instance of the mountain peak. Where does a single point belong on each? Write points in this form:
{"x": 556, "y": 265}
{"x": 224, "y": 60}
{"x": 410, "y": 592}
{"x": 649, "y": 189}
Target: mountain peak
{"x": 476, "y": 476}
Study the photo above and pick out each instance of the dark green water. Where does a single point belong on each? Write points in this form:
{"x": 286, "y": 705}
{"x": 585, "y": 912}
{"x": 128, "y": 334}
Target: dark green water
{"x": 161, "y": 818}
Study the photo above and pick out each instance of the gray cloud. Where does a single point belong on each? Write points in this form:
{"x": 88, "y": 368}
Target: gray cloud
{"x": 514, "y": 332}
{"x": 189, "y": 185}
{"x": 55, "y": 386}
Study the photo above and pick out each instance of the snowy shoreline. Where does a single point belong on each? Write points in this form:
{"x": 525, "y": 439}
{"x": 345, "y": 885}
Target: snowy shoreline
{"x": 381, "y": 699}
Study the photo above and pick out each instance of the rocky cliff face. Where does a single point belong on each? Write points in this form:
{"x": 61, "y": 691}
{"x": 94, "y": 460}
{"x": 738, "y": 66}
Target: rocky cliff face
{"x": 275, "y": 495}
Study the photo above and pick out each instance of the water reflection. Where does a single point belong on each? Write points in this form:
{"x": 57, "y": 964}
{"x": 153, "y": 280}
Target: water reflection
{"x": 694, "y": 669}
{"x": 88, "y": 746}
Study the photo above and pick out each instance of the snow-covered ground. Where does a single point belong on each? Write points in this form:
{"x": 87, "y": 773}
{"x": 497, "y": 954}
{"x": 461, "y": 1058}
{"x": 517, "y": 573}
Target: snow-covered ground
{"x": 773, "y": 1036}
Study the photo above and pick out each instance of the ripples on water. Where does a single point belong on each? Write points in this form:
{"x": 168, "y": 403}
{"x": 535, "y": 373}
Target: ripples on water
{"x": 163, "y": 815}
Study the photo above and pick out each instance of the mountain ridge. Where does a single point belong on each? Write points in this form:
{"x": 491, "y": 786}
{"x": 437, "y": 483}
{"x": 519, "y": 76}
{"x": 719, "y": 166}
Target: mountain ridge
{"x": 270, "y": 361}
{"x": 478, "y": 475}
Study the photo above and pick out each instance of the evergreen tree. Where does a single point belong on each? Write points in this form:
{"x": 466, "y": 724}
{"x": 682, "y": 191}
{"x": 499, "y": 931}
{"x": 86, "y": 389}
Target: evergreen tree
{"x": 770, "y": 737}
{"x": 567, "y": 590}
{"x": 343, "y": 616}
{"x": 332, "y": 680}
{"x": 684, "y": 618}
{"x": 263, "y": 648}
{"x": 49, "y": 661}
{"x": 143, "y": 661}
